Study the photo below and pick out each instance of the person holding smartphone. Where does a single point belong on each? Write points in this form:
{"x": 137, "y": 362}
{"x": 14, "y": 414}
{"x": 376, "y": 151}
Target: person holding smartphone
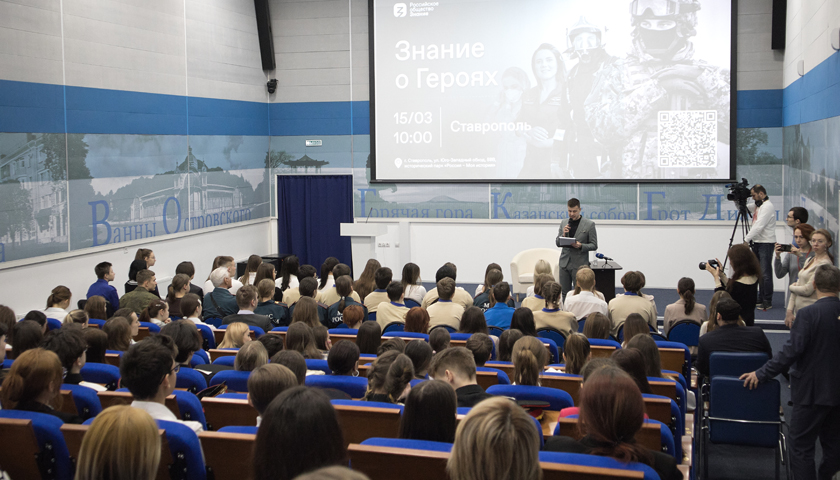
{"x": 798, "y": 255}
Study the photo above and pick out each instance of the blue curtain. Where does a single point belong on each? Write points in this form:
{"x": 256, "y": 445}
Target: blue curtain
{"x": 309, "y": 211}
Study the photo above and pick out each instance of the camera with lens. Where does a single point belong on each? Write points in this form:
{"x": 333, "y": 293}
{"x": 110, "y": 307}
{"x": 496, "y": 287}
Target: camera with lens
{"x": 712, "y": 263}
{"x": 739, "y": 192}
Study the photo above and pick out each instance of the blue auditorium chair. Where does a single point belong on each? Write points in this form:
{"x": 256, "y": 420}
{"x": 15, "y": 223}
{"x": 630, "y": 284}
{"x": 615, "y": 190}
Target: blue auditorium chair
{"x": 557, "y": 399}
{"x": 239, "y": 429}
{"x": 353, "y": 386}
{"x": 597, "y": 461}
{"x": 188, "y": 461}
{"x": 190, "y": 379}
{"x": 555, "y": 335}
{"x": 236, "y": 381}
{"x": 394, "y": 327}
{"x": 86, "y": 400}
{"x": 52, "y": 450}
{"x": 101, "y": 373}
{"x": 318, "y": 364}
{"x": 403, "y": 334}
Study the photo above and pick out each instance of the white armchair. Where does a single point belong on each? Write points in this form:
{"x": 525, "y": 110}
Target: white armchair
{"x": 522, "y": 267}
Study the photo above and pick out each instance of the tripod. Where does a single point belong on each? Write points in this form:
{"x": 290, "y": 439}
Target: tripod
{"x": 743, "y": 221}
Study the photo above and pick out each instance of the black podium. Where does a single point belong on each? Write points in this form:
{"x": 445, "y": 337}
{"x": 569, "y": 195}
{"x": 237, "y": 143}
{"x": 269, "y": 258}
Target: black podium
{"x": 605, "y": 277}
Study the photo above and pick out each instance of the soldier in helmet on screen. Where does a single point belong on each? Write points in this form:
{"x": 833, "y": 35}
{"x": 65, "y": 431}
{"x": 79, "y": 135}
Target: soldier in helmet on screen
{"x": 660, "y": 74}
{"x": 589, "y": 158}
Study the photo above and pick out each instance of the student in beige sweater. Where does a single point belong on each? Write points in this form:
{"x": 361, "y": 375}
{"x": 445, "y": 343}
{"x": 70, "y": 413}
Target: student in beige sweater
{"x": 394, "y": 310}
{"x": 631, "y": 302}
{"x": 444, "y": 311}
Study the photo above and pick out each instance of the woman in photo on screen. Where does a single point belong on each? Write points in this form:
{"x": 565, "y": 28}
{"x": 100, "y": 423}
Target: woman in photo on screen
{"x": 510, "y": 151}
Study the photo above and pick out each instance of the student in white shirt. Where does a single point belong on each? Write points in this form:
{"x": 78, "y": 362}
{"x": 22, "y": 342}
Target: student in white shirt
{"x": 327, "y": 279}
{"x": 191, "y": 309}
{"x": 543, "y": 267}
{"x": 58, "y": 302}
{"x": 585, "y": 299}
{"x": 411, "y": 283}
{"x": 150, "y": 371}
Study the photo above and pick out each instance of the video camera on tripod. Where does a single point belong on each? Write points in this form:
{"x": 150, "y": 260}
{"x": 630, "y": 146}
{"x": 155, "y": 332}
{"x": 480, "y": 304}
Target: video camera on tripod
{"x": 739, "y": 193}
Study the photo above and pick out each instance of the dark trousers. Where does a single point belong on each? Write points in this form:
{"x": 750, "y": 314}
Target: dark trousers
{"x": 808, "y": 422}
{"x": 764, "y": 252}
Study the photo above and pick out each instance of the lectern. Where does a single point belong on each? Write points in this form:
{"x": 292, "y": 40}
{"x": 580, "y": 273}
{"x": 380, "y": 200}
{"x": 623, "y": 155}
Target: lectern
{"x": 605, "y": 277}
{"x": 362, "y": 239}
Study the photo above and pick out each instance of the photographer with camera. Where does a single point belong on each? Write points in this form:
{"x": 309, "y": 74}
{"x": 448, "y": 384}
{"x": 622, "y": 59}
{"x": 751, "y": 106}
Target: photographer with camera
{"x": 743, "y": 286}
{"x": 762, "y": 239}
{"x": 797, "y": 256}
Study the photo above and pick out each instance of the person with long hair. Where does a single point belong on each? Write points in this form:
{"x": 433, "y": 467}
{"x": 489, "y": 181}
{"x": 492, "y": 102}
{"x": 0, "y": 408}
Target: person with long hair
{"x": 611, "y": 415}
{"x": 632, "y": 301}
{"x": 485, "y": 300}
{"x": 369, "y": 338}
{"x": 417, "y": 320}
{"x": 250, "y": 356}
{"x": 429, "y": 412}
{"x": 529, "y": 358}
{"x": 95, "y": 308}
{"x": 343, "y": 358}
{"x": 523, "y": 320}
{"x": 156, "y": 312}
{"x": 484, "y": 287}
{"x": 802, "y": 292}
{"x": 33, "y": 384}
{"x": 597, "y": 326}
{"x": 327, "y": 279}
{"x": 58, "y": 302}
{"x": 686, "y": 308}
{"x": 536, "y": 302}
{"x": 712, "y": 322}
{"x": 743, "y": 286}
{"x": 420, "y": 354}
{"x": 411, "y": 283}
{"x": 179, "y": 287}
{"x": 299, "y": 433}
{"x": 634, "y": 325}
{"x": 120, "y": 333}
{"x": 551, "y": 315}
{"x": 254, "y": 262}
{"x": 186, "y": 338}
{"x": 800, "y": 253}
{"x": 585, "y": 300}
{"x": 300, "y": 338}
{"x": 122, "y": 442}
{"x": 633, "y": 363}
{"x": 97, "y": 344}
{"x": 26, "y": 334}
{"x": 576, "y": 352}
{"x": 389, "y": 378}
{"x": 237, "y": 334}
{"x": 306, "y": 310}
{"x": 335, "y": 312}
{"x": 266, "y": 272}
{"x": 541, "y": 267}
{"x": 650, "y": 353}
{"x": 372, "y": 279}
{"x": 473, "y": 321}
{"x": 76, "y": 317}
{"x": 506, "y": 342}
{"x": 288, "y": 273}
{"x": 497, "y": 440}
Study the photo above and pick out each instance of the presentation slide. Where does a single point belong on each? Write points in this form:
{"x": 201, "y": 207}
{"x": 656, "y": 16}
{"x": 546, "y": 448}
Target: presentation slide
{"x": 551, "y": 90}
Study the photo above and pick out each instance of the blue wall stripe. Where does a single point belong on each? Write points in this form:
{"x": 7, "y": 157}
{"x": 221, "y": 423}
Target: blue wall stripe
{"x": 96, "y": 110}
{"x": 31, "y": 107}
{"x": 759, "y": 108}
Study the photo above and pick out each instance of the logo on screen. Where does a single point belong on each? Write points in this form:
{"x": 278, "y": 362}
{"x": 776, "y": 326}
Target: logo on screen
{"x": 400, "y": 10}
{"x": 398, "y": 162}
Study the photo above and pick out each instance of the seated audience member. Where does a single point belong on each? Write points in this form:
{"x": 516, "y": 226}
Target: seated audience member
{"x": 308, "y": 290}
{"x": 392, "y": 309}
{"x": 299, "y": 433}
{"x": 551, "y": 316}
{"x": 473, "y": 321}
{"x": 277, "y": 313}
{"x": 482, "y": 297}
{"x": 496, "y": 441}
{"x": 236, "y": 335}
{"x": 481, "y": 347}
{"x": 26, "y": 335}
{"x": 299, "y": 338}
{"x": 191, "y": 309}
{"x": 266, "y": 272}
{"x": 456, "y": 366}
{"x": 542, "y": 267}
{"x": 633, "y": 363}
{"x": 460, "y": 296}
{"x": 523, "y": 320}
{"x": 586, "y": 372}
{"x": 353, "y": 316}
{"x": 272, "y": 344}
{"x": 536, "y": 302}
{"x": 39, "y": 318}
{"x": 251, "y": 266}
{"x": 335, "y": 312}
{"x": 506, "y": 342}
{"x": 186, "y": 338}
{"x": 597, "y": 326}
{"x": 250, "y": 356}
{"x": 139, "y": 298}
{"x": 149, "y": 370}
{"x": 417, "y": 320}
{"x": 136, "y": 266}
{"x": 576, "y": 352}
{"x": 265, "y": 383}
{"x": 102, "y": 288}
{"x": 33, "y": 384}
{"x": 485, "y": 287}
{"x": 289, "y": 270}
{"x": 157, "y": 312}
{"x": 634, "y": 325}
{"x": 126, "y": 313}
{"x": 686, "y": 308}
{"x": 2, "y": 350}
{"x": 389, "y": 377}
{"x": 95, "y": 307}
{"x": 70, "y": 347}
{"x": 611, "y": 414}
{"x": 412, "y": 288}
{"x": 420, "y": 354}
{"x": 292, "y": 294}
{"x": 711, "y": 321}
{"x": 179, "y": 287}
{"x": 500, "y": 313}
{"x": 219, "y": 302}
{"x": 8, "y": 320}
{"x": 246, "y": 300}
{"x": 394, "y": 343}
{"x": 439, "y": 339}
{"x": 228, "y": 264}
{"x": 585, "y": 300}
{"x": 650, "y": 354}
{"x": 308, "y": 311}
{"x": 58, "y": 302}
{"x": 330, "y": 295}
{"x": 529, "y": 359}
{"x": 631, "y": 301}
{"x": 730, "y": 337}
{"x": 369, "y": 338}
{"x": 429, "y": 412}
{"x": 292, "y": 360}
{"x": 445, "y": 311}
{"x": 343, "y": 358}
{"x": 322, "y": 339}
{"x": 367, "y": 280}
{"x": 188, "y": 269}
{"x": 76, "y": 317}
{"x": 122, "y": 442}
{"x": 97, "y": 343}
{"x": 382, "y": 278}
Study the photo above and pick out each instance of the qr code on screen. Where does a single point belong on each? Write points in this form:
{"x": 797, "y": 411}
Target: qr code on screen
{"x": 688, "y": 138}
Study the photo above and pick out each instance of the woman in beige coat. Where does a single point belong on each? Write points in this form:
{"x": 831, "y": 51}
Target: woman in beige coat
{"x": 802, "y": 292}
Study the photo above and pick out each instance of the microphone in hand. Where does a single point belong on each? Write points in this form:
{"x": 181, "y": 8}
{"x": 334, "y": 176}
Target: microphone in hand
{"x": 602, "y": 256}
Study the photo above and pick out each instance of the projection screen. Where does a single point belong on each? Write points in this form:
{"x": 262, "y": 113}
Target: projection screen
{"x": 551, "y": 90}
